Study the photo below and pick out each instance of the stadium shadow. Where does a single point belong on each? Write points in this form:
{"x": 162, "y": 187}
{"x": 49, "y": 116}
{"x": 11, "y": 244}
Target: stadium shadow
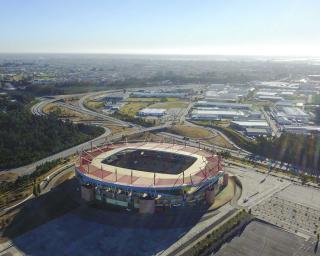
{"x": 57, "y": 223}
{"x": 38, "y": 211}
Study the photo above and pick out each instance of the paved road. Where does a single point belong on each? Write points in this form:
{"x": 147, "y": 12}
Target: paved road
{"x": 37, "y": 109}
{"x": 95, "y": 114}
{"x": 83, "y": 109}
{"x": 240, "y": 153}
{"x": 275, "y": 130}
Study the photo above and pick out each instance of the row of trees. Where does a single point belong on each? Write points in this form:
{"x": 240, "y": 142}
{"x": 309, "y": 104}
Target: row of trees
{"x": 135, "y": 120}
{"x": 300, "y": 150}
{"x": 219, "y": 234}
{"x": 26, "y": 180}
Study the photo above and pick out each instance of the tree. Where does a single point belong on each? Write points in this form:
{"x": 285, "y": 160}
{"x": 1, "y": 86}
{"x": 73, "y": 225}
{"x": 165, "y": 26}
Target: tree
{"x": 35, "y": 190}
{"x": 25, "y": 138}
{"x": 163, "y": 100}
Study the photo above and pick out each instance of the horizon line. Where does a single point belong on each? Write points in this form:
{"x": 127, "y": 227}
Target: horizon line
{"x": 163, "y": 54}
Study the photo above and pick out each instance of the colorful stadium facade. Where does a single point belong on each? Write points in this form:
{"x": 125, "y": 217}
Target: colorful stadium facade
{"x": 148, "y": 176}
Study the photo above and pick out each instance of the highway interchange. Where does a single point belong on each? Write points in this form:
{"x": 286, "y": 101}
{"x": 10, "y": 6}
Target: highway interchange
{"x": 258, "y": 181}
{"x": 267, "y": 196}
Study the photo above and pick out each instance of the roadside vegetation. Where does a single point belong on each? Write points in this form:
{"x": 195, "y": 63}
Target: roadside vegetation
{"x": 18, "y": 187}
{"x": 94, "y": 105}
{"x": 63, "y": 112}
{"x": 219, "y": 234}
{"x": 234, "y": 136}
{"x": 300, "y": 150}
{"x": 316, "y": 99}
{"x": 297, "y": 149}
{"x": 132, "y": 119}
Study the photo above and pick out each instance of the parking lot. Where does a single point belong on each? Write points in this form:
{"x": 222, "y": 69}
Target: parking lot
{"x": 291, "y": 216}
{"x": 267, "y": 240}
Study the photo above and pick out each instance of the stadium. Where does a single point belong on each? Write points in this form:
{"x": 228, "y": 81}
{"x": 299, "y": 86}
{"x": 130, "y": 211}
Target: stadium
{"x": 149, "y": 176}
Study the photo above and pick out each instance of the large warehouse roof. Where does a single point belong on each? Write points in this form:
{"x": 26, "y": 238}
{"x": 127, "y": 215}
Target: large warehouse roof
{"x": 224, "y": 105}
{"x": 218, "y": 112}
{"x": 294, "y": 111}
{"x": 251, "y": 123}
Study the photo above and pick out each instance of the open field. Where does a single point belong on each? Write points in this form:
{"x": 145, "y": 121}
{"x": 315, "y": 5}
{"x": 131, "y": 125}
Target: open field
{"x": 199, "y": 133}
{"x": 192, "y": 132}
{"x": 66, "y": 113}
{"x": 72, "y": 101}
{"x": 119, "y": 129}
{"x": 132, "y": 108}
{"x": 8, "y": 176}
{"x": 169, "y": 105}
{"x": 91, "y": 104}
{"x": 151, "y": 99}
{"x": 223, "y": 123}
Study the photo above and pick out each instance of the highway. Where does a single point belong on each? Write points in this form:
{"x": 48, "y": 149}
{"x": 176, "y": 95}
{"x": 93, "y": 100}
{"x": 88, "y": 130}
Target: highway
{"x": 252, "y": 181}
{"x": 37, "y": 109}
{"x": 93, "y": 113}
{"x": 240, "y": 153}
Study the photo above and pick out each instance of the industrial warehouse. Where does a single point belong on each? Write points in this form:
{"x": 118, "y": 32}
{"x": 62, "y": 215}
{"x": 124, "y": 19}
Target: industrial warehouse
{"x": 147, "y": 177}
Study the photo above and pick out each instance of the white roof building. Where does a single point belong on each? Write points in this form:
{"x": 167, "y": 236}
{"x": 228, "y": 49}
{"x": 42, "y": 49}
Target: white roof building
{"x": 152, "y": 112}
{"x": 251, "y": 124}
{"x": 215, "y": 114}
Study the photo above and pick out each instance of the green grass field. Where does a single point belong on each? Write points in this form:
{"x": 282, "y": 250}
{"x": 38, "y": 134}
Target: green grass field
{"x": 132, "y": 108}
{"x": 151, "y": 99}
{"x": 169, "y": 105}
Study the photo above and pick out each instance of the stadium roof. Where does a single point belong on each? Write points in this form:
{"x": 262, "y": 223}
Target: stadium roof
{"x": 205, "y": 167}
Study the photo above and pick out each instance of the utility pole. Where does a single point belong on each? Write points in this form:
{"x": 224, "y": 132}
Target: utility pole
{"x": 116, "y": 173}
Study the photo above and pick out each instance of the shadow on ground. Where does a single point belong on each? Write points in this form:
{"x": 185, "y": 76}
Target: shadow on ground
{"x": 58, "y": 224}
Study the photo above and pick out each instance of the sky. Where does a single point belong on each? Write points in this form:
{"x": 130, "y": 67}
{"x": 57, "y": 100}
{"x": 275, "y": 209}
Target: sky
{"x": 205, "y": 27}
